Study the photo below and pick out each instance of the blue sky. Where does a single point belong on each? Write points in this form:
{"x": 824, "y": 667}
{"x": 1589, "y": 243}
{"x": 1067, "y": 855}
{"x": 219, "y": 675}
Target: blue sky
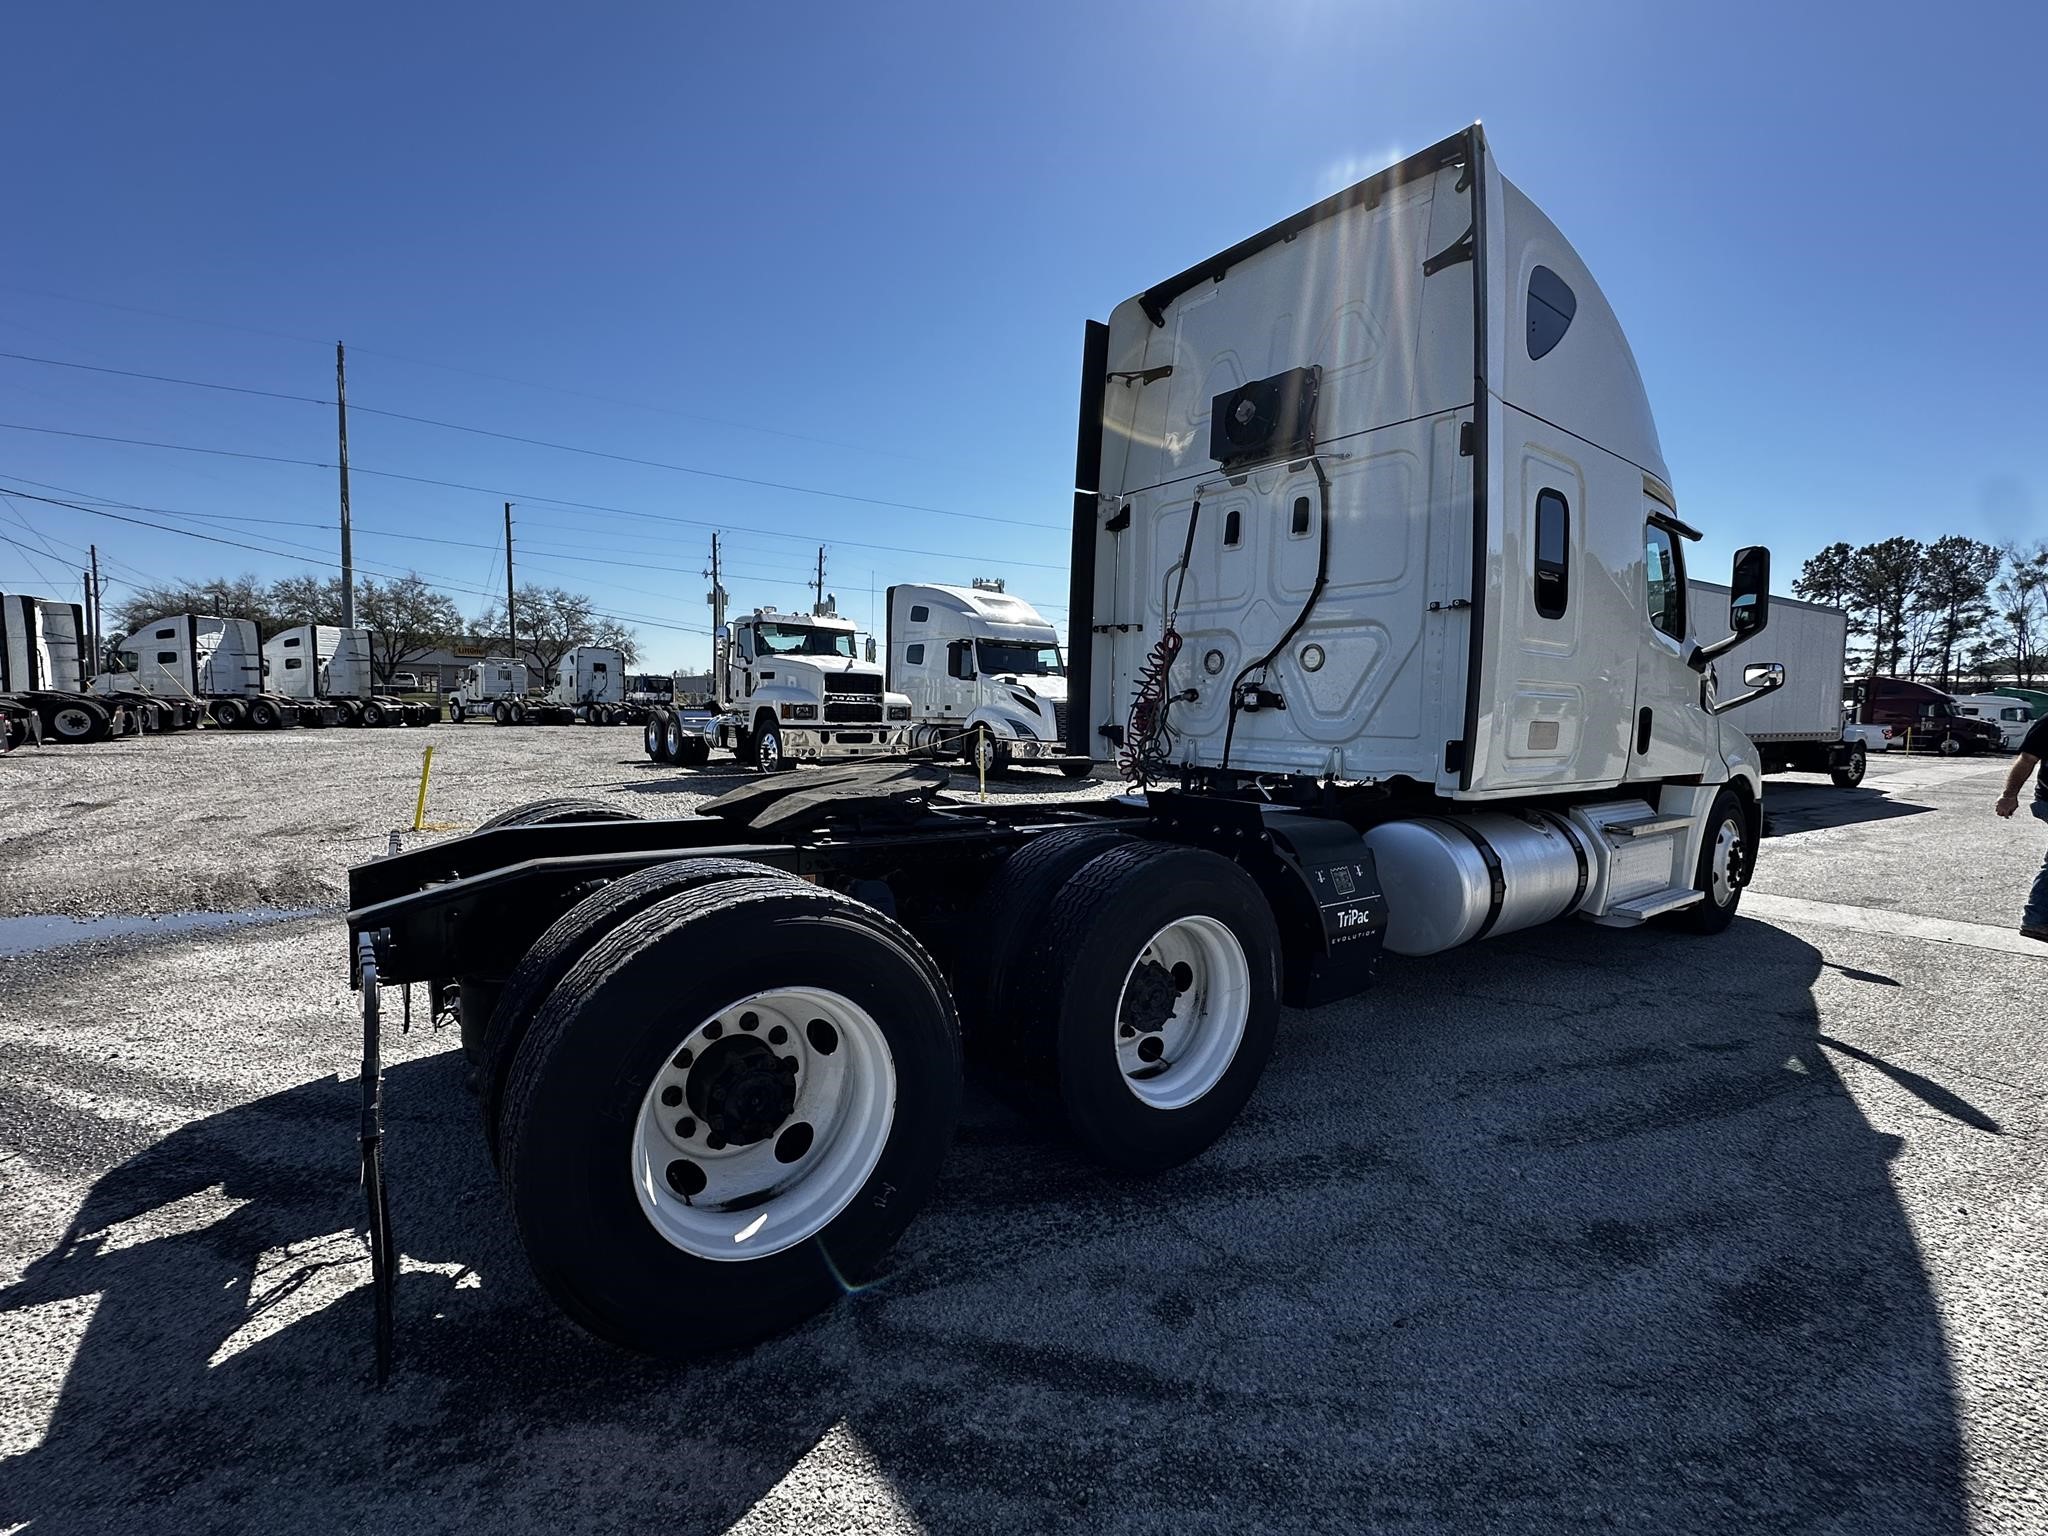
{"x": 852, "y": 248}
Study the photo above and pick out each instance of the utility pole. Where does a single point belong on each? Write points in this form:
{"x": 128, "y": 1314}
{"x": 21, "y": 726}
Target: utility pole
{"x": 348, "y": 558}
{"x": 511, "y": 618}
{"x": 819, "y": 605}
{"x": 99, "y": 635}
{"x": 716, "y": 597}
{"x": 88, "y": 649}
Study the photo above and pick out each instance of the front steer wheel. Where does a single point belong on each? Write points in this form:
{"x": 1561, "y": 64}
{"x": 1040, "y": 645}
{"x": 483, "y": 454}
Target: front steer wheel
{"x": 1727, "y": 856}
{"x": 727, "y": 1112}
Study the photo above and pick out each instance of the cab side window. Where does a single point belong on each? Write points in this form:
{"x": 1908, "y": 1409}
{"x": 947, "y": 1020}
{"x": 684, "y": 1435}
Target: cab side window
{"x": 1664, "y": 579}
{"x": 1553, "y": 545}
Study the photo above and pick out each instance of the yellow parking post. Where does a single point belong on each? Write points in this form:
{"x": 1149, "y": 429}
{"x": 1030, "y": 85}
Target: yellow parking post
{"x": 419, "y": 810}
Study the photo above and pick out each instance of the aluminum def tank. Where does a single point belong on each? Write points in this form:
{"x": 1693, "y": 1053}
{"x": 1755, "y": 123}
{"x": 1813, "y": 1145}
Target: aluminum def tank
{"x": 1452, "y": 879}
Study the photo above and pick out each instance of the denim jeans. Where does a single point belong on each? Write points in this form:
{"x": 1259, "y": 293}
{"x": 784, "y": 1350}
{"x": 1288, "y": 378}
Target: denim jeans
{"x": 2037, "y": 904}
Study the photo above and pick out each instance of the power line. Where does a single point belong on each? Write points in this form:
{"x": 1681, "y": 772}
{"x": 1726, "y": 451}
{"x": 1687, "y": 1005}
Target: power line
{"x": 533, "y": 442}
{"x": 498, "y": 491}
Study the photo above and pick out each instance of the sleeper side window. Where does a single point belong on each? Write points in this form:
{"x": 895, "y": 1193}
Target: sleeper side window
{"x": 1553, "y": 549}
{"x": 1664, "y": 578}
{"x": 1551, "y": 306}
{"x": 1233, "y": 529}
{"x": 166, "y": 656}
{"x": 914, "y": 655}
{"x": 919, "y": 613}
{"x": 1297, "y": 526}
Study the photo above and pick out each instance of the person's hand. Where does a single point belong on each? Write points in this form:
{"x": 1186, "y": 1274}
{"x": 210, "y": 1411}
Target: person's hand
{"x": 2007, "y": 804}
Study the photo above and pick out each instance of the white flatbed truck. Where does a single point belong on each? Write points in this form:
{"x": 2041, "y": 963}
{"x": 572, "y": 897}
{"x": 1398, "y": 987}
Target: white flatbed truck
{"x": 719, "y": 1054}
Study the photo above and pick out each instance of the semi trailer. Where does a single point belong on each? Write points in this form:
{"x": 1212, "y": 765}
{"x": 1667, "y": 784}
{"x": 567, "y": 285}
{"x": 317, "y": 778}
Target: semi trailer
{"x": 1800, "y": 727}
{"x": 210, "y": 664}
{"x": 787, "y": 688}
{"x": 984, "y": 675}
{"x": 1378, "y": 595}
{"x": 326, "y": 663}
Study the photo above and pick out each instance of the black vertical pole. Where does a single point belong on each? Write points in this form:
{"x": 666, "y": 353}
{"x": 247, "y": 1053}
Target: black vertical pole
{"x": 348, "y": 559}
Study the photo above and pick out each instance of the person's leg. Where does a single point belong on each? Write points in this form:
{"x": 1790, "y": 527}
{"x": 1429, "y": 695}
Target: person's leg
{"x": 2035, "y": 918}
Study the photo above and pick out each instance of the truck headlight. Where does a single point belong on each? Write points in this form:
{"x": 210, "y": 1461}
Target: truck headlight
{"x": 899, "y": 711}
{"x": 799, "y": 711}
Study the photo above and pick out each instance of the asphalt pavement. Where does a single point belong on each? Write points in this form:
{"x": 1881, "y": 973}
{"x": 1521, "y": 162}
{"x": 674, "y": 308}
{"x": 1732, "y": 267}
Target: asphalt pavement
{"x": 1573, "y": 1229}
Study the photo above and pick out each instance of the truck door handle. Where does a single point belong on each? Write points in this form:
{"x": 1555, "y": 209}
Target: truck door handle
{"x": 1642, "y": 730}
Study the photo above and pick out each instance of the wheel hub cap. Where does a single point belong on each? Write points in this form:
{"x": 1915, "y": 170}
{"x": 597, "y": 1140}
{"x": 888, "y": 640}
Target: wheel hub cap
{"x": 742, "y": 1090}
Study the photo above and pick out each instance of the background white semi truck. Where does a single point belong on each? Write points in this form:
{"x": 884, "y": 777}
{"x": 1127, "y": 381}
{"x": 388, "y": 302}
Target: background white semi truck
{"x": 1800, "y": 728}
{"x": 589, "y": 688}
{"x": 984, "y": 675}
{"x": 44, "y": 671}
{"x": 213, "y": 663}
{"x": 788, "y": 687}
{"x": 325, "y": 663}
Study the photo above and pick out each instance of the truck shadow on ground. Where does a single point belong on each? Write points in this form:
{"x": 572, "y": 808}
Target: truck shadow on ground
{"x": 1790, "y": 808}
{"x": 1569, "y": 1227}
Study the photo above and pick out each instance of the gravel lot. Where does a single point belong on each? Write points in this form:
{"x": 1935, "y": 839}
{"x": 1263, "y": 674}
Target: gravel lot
{"x": 1575, "y": 1228}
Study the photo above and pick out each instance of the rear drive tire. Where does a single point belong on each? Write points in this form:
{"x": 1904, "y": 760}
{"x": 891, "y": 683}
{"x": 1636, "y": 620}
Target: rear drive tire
{"x": 1727, "y": 855}
{"x": 1850, "y": 774}
{"x": 373, "y": 714}
{"x": 75, "y": 722}
{"x": 654, "y": 739}
{"x": 640, "y": 1228}
{"x": 1153, "y": 993}
{"x": 229, "y": 712}
{"x": 263, "y": 715}
{"x": 502, "y": 712}
{"x": 565, "y": 942}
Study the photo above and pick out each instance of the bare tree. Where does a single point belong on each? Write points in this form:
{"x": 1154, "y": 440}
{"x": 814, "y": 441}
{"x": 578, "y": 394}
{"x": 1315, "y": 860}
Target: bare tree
{"x": 407, "y": 619}
{"x": 2021, "y": 597}
{"x": 553, "y": 622}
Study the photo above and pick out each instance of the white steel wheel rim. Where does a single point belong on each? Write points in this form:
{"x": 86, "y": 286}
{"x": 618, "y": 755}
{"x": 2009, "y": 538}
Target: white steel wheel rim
{"x": 1172, "y": 1062}
{"x": 1727, "y": 840}
{"x": 740, "y": 1201}
{"x": 769, "y": 748}
{"x": 71, "y": 721}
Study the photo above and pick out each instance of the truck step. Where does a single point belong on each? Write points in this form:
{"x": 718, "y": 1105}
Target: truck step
{"x": 1643, "y": 908}
{"x": 1646, "y": 826}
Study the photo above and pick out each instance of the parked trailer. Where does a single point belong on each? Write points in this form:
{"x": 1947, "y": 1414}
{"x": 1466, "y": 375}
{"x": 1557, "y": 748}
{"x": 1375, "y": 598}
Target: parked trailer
{"x": 719, "y": 1055}
{"x": 1800, "y": 728}
{"x": 984, "y": 675}
{"x": 324, "y": 662}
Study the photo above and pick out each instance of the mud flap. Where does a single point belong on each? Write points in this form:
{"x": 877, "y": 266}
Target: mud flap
{"x": 383, "y": 1262}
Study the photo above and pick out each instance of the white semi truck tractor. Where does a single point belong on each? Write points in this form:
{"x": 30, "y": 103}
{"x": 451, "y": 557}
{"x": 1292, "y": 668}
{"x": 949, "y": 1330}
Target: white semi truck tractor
{"x": 588, "y": 688}
{"x": 788, "y": 688}
{"x": 214, "y": 664}
{"x": 1379, "y": 597}
{"x": 316, "y": 663}
{"x": 984, "y": 675}
{"x": 44, "y": 675}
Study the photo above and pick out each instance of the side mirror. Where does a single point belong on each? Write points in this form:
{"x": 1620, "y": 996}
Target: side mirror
{"x": 1749, "y": 605}
{"x": 1760, "y": 678}
{"x": 1749, "y": 594}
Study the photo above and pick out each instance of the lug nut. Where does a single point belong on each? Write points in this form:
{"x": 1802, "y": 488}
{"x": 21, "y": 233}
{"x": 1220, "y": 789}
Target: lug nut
{"x": 713, "y": 1030}
{"x": 786, "y": 1064}
{"x": 715, "y": 1142}
{"x": 671, "y": 1096}
{"x": 778, "y": 1035}
{"x": 750, "y": 1021}
{"x": 686, "y": 1127}
{"x": 683, "y": 1057}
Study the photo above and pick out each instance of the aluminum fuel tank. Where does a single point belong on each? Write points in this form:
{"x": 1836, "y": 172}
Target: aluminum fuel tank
{"x": 1452, "y": 879}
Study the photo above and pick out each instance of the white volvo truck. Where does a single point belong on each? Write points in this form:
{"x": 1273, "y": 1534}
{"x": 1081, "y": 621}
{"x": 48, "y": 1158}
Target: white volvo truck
{"x": 211, "y": 663}
{"x": 43, "y": 670}
{"x": 325, "y": 663}
{"x": 984, "y": 676}
{"x": 789, "y": 687}
{"x": 589, "y": 688}
{"x": 1378, "y": 594}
